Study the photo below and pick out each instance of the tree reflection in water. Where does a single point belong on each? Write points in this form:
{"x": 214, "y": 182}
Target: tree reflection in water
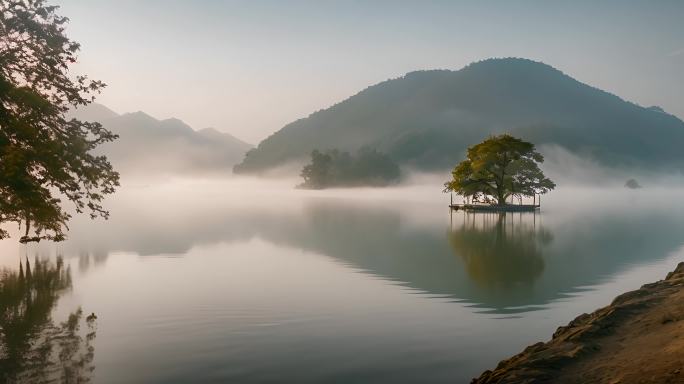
{"x": 500, "y": 249}
{"x": 33, "y": 348}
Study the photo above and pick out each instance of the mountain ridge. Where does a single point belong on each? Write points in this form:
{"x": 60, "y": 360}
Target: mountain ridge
{"x": 168, "y": 146}
{"x": 428, "y": 118}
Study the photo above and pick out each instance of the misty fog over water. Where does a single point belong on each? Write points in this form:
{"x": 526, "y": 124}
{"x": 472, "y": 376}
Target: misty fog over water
{"x": 247, "y": 280}
{"x": 341, "y": 191}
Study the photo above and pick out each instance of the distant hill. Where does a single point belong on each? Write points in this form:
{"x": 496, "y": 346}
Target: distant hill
{"x": 427, "y": 119}
{"x": 147, "y": 145}
{"x": 94, "y": 112}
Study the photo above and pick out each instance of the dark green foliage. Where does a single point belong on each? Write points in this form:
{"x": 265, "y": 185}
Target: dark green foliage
{"x": 44, "y": 157}
{"x": 317, "y": 174}
{"x": 427, "y": 119}
{"x": 334, "y": 168}
{"x": 632, "y": 184}
{"x": 500, "y": 167}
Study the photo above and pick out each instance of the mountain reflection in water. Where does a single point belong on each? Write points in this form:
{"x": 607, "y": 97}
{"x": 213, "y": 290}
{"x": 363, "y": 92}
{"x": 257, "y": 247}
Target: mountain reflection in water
{"x": 217, "y": 282}
{"x": 501, "y": 264}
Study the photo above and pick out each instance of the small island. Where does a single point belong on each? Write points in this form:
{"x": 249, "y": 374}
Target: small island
{"x": 500, "y": 168}
{"x": 632, "y": 184}
{"x": 341, "y": 169}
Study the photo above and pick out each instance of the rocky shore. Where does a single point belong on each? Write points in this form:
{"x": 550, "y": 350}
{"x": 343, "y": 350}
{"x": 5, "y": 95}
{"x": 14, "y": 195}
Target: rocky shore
{"x": 638, "y": 338}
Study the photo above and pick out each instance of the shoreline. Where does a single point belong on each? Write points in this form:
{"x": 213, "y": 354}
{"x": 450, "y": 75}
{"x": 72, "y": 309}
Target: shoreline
{"x": 638, "y": 338}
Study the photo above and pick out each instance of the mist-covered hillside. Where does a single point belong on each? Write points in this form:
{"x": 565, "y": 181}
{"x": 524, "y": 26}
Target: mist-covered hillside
{"x": 427, "y": 119}
{"x": 147, "y": 145}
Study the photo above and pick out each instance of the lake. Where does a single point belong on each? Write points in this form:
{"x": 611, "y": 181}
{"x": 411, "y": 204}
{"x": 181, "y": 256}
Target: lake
{"x": 256, "y": 282}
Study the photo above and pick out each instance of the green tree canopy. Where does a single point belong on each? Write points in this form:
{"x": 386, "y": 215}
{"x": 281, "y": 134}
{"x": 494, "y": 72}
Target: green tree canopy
{"x": 45, "y": 158}
{"x": 500, "y": 167}
{"x": 316, "y": 174}
{"x": 632, "y": 184}
{"x": 367, "y": 167}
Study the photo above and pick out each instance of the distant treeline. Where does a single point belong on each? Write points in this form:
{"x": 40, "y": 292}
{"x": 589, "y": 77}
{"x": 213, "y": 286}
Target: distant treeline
{"x": 341, "y": 169}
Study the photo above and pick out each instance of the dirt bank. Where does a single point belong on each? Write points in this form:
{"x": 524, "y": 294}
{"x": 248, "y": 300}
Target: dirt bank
{"x": 639, "y": 338}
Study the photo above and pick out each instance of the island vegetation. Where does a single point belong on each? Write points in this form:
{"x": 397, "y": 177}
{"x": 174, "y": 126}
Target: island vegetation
{"x": 46, "y": 158}
{"x": 499, "y": 168}
{"x": 341, "y": 169}
{"x": 632, "y": 184}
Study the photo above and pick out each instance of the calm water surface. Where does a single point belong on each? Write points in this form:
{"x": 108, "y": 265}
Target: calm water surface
{"x": 251, "y": 282}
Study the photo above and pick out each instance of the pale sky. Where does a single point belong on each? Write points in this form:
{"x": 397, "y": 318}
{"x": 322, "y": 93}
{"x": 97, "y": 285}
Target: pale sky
{"x": 250, "y": 67}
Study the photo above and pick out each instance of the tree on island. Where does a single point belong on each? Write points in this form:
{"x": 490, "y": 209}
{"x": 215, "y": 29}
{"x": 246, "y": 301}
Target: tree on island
{"x": 367, "y": 167}
{"x": 498, "y": 168}
{"x": 316, "y": 174}
{"x": 45, "y": 158}
{"x": 632, "y": 184}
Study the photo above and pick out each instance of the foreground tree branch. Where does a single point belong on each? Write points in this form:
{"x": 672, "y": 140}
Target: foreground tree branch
{"x": 45, "y": 158}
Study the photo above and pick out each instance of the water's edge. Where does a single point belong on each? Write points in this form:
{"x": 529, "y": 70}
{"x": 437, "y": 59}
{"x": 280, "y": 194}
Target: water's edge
{"x": 611, "y": 344}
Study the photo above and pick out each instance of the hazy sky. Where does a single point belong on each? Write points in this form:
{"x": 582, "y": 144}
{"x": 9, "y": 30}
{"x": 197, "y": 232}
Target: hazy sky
{"x": 250, "y": 67}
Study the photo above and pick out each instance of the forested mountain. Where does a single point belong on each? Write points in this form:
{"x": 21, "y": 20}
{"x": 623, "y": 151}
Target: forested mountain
{"x": 148, "y": 145}
{"x": 427, "y": 119}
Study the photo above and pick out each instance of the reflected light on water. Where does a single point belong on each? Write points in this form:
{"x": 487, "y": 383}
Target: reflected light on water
{"x": 251, "y": 281}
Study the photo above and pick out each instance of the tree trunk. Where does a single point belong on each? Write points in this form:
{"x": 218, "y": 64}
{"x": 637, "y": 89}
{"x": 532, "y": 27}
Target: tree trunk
{"x": 28, "y": 226}
{"x": 501, "y": 197}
